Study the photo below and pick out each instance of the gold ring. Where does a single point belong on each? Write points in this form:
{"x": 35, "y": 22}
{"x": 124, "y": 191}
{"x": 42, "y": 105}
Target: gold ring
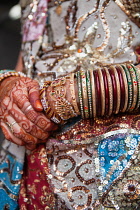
{"x": 11, "y": 125}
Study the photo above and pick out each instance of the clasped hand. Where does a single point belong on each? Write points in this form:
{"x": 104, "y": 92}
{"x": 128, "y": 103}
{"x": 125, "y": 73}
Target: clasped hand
{"x": 21, "y": 116}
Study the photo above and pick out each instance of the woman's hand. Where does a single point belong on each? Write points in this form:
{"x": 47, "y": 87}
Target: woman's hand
{"x": 21, "y": 118}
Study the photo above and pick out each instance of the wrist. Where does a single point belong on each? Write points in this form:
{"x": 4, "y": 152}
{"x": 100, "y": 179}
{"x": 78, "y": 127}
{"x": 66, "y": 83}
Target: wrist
{"x": 59, "y": 99}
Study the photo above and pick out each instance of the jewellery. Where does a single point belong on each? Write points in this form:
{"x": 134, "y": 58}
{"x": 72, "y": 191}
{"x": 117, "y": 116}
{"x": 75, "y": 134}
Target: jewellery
{"x": 122, "y": 88}
{"x": 43, "y": 96}
{"x": 125, "y": 87}
{"x": 106, "y": 91}
{"x": 80, "y": 94}
{"x": 114, "y": 86}
{"x": 98, "y": 92}
{"x": 28, "y": 108}
{"x": 84, "y": 93}
{"x": 129, "y": 82}
{"x": 72, "y": 91}
{"x": 110, "y": 89}
{"x": 134, "y": 86}
{"x": 93, "y": 93}
{"x": 102, "y": 92}
{"x": 62, "y": 106}
{"x": 138, "y": 80}
{"x": 118, "y": 91}
{"x": 10, "y": 125}
{"x": 8, "y": 73}
{"x": 89, "y": 94}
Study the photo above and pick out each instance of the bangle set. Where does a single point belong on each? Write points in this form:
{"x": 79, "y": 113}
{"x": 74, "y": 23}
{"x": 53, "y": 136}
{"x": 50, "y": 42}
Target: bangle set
{"x": 101, "y": 92}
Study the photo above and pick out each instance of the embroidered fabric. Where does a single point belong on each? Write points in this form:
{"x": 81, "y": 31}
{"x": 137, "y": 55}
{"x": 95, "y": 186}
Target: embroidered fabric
{"x": 11, "y": 170}
{"x": 83, "y": 166}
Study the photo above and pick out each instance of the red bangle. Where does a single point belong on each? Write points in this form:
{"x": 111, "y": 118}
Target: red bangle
{"x": 98, "y": 92}
{"x": 122, "y": 86}
{"x": 106, "y": 92}
{"x": 102, "y": 88}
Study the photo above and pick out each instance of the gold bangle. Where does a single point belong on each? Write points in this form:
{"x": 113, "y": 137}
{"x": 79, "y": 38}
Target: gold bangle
{"x": 62, "y": 107}
{"x": 84, "y": 93}
{"x": 43, "y": 97}
{"x": 48, "y": 110}
{"x": 110, "y": 87}
{"x": 93, "y": 93}
{"x": 73, "y": 97}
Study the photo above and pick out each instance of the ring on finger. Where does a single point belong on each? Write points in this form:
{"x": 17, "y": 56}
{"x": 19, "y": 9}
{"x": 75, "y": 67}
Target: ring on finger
{"x": 28, "y": 108}
{"x": 10, "y": 125}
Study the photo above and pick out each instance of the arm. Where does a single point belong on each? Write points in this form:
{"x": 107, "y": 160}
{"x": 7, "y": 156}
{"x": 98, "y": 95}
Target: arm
{"x": 103, "y": 92}
{"x": 19, "y": 65}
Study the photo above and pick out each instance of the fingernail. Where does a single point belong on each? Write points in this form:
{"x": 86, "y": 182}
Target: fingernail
{"x": 38, "y": 105}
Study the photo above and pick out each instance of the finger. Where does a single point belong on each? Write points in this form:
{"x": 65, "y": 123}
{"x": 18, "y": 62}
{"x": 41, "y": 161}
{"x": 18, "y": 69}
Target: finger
{"x": 35, "y": 100}
{"x": 36, "y": 117}
{"x": 9, "y": 136}
{"x": 34, "y": 95}
{"x": 26, "y": 124}
{"x": 18, "y": 132}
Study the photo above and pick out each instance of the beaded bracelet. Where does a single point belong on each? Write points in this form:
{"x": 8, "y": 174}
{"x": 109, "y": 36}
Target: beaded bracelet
{"x": 110, "y": 88}
{"x": 10, "y": 73}
{"x": 84, "y": 93}
{"x": 80, "y": 94}
{"x": 93, "y": 93}
{"x": 89, "y": 94}
{"x": 114, "y": 88}
{"x": 43, "y": 96}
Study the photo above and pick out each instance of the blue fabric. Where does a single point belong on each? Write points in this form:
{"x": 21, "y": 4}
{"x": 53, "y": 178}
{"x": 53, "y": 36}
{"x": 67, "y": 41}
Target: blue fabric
{"x": 9, "y": 185}
{"x": 111, "y": 149}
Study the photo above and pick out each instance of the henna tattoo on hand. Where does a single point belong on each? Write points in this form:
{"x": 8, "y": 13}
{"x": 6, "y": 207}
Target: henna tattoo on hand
{"x": 16, "y": 96}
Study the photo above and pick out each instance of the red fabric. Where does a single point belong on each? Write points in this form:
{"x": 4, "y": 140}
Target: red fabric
{"x": 35, "y": 190}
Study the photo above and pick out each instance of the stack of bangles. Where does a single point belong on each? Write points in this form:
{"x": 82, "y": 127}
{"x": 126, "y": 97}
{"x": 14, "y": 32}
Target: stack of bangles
{"x": 102, "y": 92}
